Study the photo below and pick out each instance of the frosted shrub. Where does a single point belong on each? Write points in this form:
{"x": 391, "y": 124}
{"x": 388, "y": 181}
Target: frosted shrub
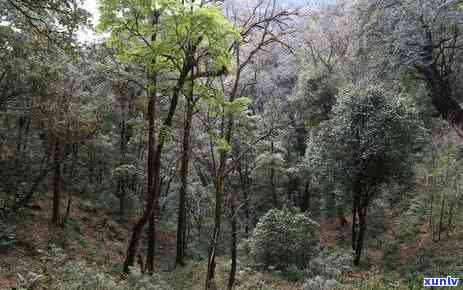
{"x": 323, "y": 271}
{"x": 329, "y": 265}
{"x": 140, "y": 281}
{"x": 78, "y": 276}
{"x": 283, "y": 238}
{"x": 320, "y": 283}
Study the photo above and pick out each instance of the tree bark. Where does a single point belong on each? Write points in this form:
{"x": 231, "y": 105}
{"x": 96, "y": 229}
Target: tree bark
{"x": 234, "y": 229}
{"x": 153, "y": 199}
{"x": 361, "y": 236}
{"x": 56, "y": 217}
{"x": 123, "y": 149}
{"x": 305, "y": 204}
{"x": 151, "y": 195}
{"x": 273, "y": 189}
{"x": 219, "y": 188}
{"x": 244, "y": 187}
{"x": 181, "y": 223}
{"x": 441, "y": 219}
{"x": 75, "y": 149}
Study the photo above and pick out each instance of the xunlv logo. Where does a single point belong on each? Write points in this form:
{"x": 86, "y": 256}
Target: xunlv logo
{"x": 441, "y": 282}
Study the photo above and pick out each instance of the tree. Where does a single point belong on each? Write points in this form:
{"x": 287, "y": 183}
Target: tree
{"x": 368, "y": 144}
{"x": 54, "y": 21}
{"x": 263, "y": 25}
{"x": 425, "y": 40}
{"x": 165, "y": 36}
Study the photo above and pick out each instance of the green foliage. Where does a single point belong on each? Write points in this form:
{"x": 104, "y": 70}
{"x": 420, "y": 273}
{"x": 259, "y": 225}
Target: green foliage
{"x": 391, "y": 254}
{"x": 132, "y": 25}
{"x": 283, "y": 238}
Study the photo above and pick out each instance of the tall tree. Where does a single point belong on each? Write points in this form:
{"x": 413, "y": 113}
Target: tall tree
{"x": 425, "y": 38}
{"x": 185, "y": 27}
{"x": 265, "y": 23}
{"x": 369, "y": 143}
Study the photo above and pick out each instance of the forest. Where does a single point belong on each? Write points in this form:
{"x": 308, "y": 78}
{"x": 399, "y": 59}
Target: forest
{"x": 231, "y": 144}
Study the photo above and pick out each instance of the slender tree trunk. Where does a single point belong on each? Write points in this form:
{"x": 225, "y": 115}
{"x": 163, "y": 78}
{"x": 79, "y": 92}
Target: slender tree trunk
{"x": 151, "y": 196}
{"x": 217, "y": 223}
{"x": 431, "y": 213}
{"x": 361, "y": 236}
{"x": 234, "y": 231}
{"x": 449, "y": 224}
{"x": 71, "y": 181}
{"x": 181, "y": 224}
{"x": 305, "y": 204}
{"x": 122, "y": 197}
{"x": 123, "y": 146}
{"x": 219, "y": 191}
{"x": 152, "y": 206}
{"x": 273, "y": 189}
{"x": 151, "y": 239}
{"x": 157, "y": 166}
{"x": 244, "y": 187}
{"x": 441, "y": 219}
{"x": 56, "y": 217}
{"x": 354, "y": 221}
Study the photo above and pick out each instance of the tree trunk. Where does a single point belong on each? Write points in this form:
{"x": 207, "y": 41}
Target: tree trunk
{"x": 234, "y": 229}
{"x": 305, "y": 204}
{"x": 123, "y": 146}
{"x": 354, "y": 221}
{"x": 153, "y": 200}
{"x": 361, "y": 236}
{"x": 273, "y": 189}
{"x": 244, "y": 186}
{"x": 181, "y": 224}
{"x": 151, "y": 233}
{"x": 217, "y": 222}
{"x": 56, "y": 218}
{"x": 122, "y": 199}
{"x": 71, "y": 181}
{"x": 150, "y": 195}
{"x": 441, "y": 219}
{"x": 219, "y": 192}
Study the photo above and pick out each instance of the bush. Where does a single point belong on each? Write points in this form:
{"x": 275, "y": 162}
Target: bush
{"x": 283, "y": 238}
{"x": 329, "y": 265}
{"x": 78, "y": 276}
{"x": 320, "y": 283}
{"x": 324, "y": 271}
{"x": 7, "y": 236}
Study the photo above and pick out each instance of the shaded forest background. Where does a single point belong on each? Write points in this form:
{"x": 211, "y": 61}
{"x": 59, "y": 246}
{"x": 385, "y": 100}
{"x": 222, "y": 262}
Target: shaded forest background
{"x": 237, "y": 144}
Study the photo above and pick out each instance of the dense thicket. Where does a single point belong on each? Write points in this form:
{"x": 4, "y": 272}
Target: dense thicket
{"x": 260, "y": 131}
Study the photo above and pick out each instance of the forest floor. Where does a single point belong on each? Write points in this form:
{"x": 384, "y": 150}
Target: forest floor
{"x": 92, "y": 235}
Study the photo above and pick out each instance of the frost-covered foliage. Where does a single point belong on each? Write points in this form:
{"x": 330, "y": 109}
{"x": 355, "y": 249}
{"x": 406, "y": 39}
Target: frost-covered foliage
{"x": 79, "y": 276}
{"x": 371, "y": 137}
{"x": 283, "y": 238}
{"x": 416, "y": 33}
{"x": 324, "y": 271}
{"x": 329, "y": 265}
{"x": 319, "y": 283}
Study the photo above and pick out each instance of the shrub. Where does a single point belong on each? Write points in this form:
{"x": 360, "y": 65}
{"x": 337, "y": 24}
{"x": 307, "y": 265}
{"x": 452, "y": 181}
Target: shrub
{"x": 7, "y": 236}
{"x": 283, "y": 238}
{"x": 78, "y": 276}
{"x": 320, "y": 283}
{"x": 329, "y": 265}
